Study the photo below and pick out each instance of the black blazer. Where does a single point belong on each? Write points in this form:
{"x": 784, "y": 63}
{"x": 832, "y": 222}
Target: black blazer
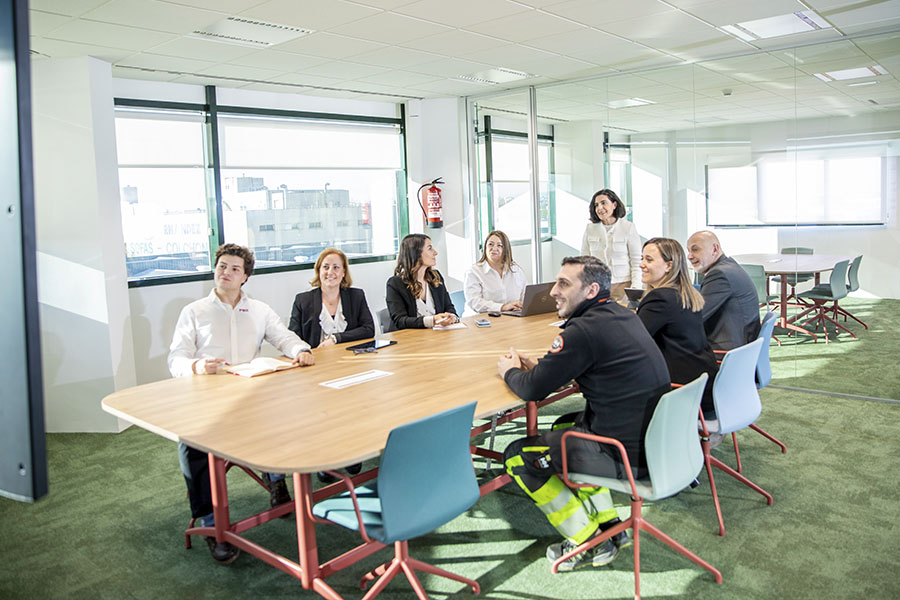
{"x": 731, "y": 308}
{"x": 402, "y": 305}
{"x": 679, "y": 333}
{"x": 308, "y": 306}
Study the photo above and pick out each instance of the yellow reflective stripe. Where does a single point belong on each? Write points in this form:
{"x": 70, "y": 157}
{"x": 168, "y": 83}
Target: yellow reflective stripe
{"x": 514, "y": 461}
{"x": 547, "y": 492}
{"x": 562, "y": 518}
{"x": 559, "y": 426}
{"x": 584, "y": 534}
{"x": 535, "y": 448}
{"x": 604, "y": 516}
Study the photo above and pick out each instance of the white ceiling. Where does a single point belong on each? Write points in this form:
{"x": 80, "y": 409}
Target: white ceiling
{"x": 403, "y": 49}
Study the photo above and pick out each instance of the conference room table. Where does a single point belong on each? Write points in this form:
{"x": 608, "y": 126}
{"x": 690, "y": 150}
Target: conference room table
{"x": 289, "y": 422}
{"x": 786, "y": 265}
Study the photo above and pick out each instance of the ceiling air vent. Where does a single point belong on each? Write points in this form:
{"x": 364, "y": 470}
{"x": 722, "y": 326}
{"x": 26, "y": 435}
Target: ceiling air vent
{"x": 495, "y": 76}
{"x": 249, "y": 32}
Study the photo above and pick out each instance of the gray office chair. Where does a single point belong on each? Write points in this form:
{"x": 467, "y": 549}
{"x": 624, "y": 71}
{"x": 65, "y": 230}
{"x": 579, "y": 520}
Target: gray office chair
{"x": 384, "y": 320}
{"x": 793, "y": 280}
{"x": 757, "y": 274}
{"x": 853, "y": 274}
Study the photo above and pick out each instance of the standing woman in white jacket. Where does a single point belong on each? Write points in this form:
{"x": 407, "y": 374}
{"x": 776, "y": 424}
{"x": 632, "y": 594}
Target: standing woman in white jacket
{"x": 613, "y": 240}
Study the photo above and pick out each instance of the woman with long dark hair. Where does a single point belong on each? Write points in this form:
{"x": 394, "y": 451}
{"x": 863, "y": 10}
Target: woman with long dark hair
{"x": 416, "y": 296}
{"x": 614, "y": 240}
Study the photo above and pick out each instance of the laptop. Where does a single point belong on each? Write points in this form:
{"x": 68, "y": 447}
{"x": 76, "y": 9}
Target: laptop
{"x": 634, "y": 297}
{"x": 536, "y": 301}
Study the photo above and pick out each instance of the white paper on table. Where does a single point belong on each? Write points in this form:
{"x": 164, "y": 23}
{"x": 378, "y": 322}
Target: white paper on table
{"x": 459, "y": 325}
{"x": 343, "y": 382}
{"x": 558, "y": 323}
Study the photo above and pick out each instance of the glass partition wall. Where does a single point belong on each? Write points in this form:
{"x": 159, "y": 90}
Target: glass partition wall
{"x": 782, "y": 152}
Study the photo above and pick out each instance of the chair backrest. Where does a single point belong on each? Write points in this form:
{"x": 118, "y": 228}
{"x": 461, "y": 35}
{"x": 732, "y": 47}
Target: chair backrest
{"x": 674, "y": 456}
{"x": 384, "y": 320}
{"x": 426, "y": 477}
{"x": 734, "y": 390}
{"x": 797, "y": 250}
{"x": 854, "y": 274}
{"x": 757, "y": 275}
{"x": 763, "y": 366}
{"x": 838, "y": 280}
{"x": 458, "y": 298}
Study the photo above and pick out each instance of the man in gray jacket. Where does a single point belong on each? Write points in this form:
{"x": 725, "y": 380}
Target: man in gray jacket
{"x": 731, "y": 306}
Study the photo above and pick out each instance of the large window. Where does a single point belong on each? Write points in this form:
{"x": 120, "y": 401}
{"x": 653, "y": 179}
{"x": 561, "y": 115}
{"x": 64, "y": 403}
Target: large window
{"x": 290, "y": 185}
{"x": 163, "y": 192}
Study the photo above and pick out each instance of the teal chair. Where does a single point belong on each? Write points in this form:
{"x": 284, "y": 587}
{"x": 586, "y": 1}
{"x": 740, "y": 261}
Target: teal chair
{"x": 853, "y": 274}
{"x": 793, "y": 280}
{"x": 763, "y": 377}
{"x": 425, "y": 480}
{"x": 674, "y": 459}
{"x": 736, "y": 400}
{"x": 458, "y": 298}
{"x": 758, "y": 276}
{"x": 821, "y": 295}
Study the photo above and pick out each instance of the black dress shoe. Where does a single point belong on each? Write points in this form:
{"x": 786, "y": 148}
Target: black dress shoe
{"x": 278, "y": 493}
{"x": 223, "y": 552}
{"x": 354, "y": 469}
{"x": 326, "y": 477}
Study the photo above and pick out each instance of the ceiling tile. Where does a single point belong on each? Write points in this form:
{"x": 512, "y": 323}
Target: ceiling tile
{"x": 729, "y": 12}
{"x": 237, "y": 72}
{"x": 328, "y": 45}
{"x": 602, "y": 12}
{"x": 664, "y": 30}
{"x": 395, "y": 57}
{"x": 151, "y": 14}
{"x": 230, "y": 7}
{"x": 343, "y": 70}
{"x": 525, "y": 26}
{"x": 385, "y": 4}
{"x": 863, "y": 13}
{"x": 40, "y": 23}
{"x": 510, "y": 55}
{"x": 311, "y": 80}
{"x": 449, "y": 67}
{"x": 399, "y": 78}
{"x": 390, "y": 28}
{"x": 591, "y": 45}
{"x": 49, "y": 48}
{"x": 107, "y": 34}
{"x": 201, "y": 49}
{"x": 165, "y": 63}
{"x": 309, "y": 14}
{"x": 72, "y": 8}
{"x": 276, "y": 59}
{"x": 450, "y": 42}
{"x": 710, "y": 48}
{"x": 134, "y": 73}
{"x": 461, "y": 13}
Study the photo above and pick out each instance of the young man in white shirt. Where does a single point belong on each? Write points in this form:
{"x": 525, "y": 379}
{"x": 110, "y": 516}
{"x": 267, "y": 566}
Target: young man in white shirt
{"x": 226, "y": 327}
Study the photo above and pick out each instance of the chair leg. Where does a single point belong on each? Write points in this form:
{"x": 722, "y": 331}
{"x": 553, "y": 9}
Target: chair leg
{"x": 768, "y": 436}
{"x": 658, "y": 534}
{"x": 737, "y": 452}
{"x": 712, "y": 485}
{"x": 719, "y": 464}
{"x": 404, "y": 562}
{"x": 846, "y": 313}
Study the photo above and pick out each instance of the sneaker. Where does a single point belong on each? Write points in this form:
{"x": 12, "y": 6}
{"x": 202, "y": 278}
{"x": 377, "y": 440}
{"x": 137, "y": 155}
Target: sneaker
{"x": 598, "y": 556}
{"x": 622, "y": 540}
{"x": 715, "y": 439}
{"x": 222, "y": 552}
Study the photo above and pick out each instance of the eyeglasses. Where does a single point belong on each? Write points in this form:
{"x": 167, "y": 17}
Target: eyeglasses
{"x": 365, "y": 350}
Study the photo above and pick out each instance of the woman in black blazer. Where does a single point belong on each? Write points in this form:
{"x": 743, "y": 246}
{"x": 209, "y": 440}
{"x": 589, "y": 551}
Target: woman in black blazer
{"x": 416, "y": 296}
{"x": 671, "y": 310}
{"x": 348, "y": 317}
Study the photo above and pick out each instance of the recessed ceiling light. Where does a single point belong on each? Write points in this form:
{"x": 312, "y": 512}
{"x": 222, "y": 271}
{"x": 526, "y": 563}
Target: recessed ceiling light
{"x": 760, "y": 29}
{"x": 249, "y": 32}
{"x": 857, "y": 73}
{"x": 628, "y": 102}
{"x": 495, "y": 76}
{"x": 861, "y": 83}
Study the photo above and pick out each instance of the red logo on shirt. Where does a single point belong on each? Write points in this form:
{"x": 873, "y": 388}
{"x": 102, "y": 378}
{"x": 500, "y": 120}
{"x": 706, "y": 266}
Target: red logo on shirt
{"x": 243, "y": 310}
{"x": 557, "y": 344}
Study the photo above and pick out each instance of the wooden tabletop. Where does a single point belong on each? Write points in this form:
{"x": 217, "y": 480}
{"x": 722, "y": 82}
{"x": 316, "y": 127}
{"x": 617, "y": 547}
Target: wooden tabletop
{"x": 777, "y": 264}
{"x": 287, "y": 422}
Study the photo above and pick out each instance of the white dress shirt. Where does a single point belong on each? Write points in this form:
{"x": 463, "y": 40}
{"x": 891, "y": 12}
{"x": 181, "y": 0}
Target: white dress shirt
{"x": 210, "y": 328}
{"x": 618, "y": 246}
{"x": 331, "y": 325}
{"x": 487, "y": 291}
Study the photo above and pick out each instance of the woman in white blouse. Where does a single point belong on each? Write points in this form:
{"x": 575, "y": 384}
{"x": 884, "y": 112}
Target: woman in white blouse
{"x": 495, "y": 282}
{"x": 615, "y": 241}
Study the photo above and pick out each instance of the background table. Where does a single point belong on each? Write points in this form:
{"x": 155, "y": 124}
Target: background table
{"x": 791, "y": 264}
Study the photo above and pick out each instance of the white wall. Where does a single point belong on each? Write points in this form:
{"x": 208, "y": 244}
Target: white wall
{"x": 86, "y": 333}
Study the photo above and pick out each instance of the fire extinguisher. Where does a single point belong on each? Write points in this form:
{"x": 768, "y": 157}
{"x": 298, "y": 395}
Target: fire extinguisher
{"x": 432, "y": 209}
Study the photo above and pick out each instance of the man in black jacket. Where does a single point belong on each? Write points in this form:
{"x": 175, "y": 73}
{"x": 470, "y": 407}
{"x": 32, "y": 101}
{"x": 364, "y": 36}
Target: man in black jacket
{"x": 730, "y": 302}
{"x": 622, "y": 374}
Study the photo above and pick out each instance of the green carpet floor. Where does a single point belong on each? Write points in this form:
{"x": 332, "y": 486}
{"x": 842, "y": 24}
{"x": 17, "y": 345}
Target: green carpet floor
{"x": 111, "y": 526}
{"x": 864, "y": 366}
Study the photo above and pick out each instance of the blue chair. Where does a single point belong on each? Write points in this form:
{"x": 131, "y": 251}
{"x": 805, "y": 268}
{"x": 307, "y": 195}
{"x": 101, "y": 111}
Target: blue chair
{"x": 459, "y": 301}
{"x": 674, "y": 459}
{"x": 736, "y": 400}
{"x": 426, "y": 479}
{"x": 763, "y": 377}
{"x": 821, "y": 295}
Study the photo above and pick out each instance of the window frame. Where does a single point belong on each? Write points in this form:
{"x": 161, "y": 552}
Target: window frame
{"x": 210, "y": 111}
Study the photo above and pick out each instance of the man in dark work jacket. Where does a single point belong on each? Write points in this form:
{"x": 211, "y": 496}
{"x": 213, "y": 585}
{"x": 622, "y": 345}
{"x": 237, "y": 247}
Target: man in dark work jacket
{"x": 730, "y": 302}
{"x": 622, "y": 374}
